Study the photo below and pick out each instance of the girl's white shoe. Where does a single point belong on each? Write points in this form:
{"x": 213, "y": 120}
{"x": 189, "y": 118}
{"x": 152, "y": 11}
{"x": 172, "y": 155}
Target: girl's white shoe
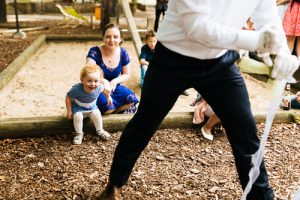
{"x": 78, "y": 138}
{"x": 104, "y": 135}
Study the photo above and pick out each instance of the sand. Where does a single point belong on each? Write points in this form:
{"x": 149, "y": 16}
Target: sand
{"x": 39, "y": 88}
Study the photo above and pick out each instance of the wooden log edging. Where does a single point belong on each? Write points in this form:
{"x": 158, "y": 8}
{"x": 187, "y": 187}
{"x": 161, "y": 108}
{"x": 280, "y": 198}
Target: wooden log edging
{"x": 42, "y": 126}
{"x": 9, "y": 72}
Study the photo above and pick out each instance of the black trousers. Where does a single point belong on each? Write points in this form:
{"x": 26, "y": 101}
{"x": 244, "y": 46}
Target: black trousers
{"x": 158, "y": 12}
{"x": 220, "y": 83}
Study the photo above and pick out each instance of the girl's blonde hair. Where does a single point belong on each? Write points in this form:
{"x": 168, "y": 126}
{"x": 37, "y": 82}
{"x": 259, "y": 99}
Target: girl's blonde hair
{"x": 90, "y": 68}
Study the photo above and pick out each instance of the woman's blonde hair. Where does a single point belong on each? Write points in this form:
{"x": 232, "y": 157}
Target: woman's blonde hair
{"x": 90, "y": 68}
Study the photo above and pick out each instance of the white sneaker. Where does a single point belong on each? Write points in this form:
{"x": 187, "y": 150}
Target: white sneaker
{"x": 104, "y": 135}
{"x": 78, "y": 138}
{"x": 206, "y": 135}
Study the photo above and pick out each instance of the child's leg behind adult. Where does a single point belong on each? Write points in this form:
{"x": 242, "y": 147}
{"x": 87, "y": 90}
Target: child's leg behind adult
{"x": 78, "y": 126}
{"x": 143, "y": 72}
{"x": 96, "y": 117}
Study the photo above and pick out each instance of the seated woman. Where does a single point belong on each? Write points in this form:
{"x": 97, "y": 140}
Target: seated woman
{"x": 115, "y": 63}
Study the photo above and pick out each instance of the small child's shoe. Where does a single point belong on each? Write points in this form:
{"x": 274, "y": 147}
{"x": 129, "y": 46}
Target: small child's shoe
{"x": 78, "y": 138}
{"x": 104, "y": 135}
{"x": 207, "y": 135}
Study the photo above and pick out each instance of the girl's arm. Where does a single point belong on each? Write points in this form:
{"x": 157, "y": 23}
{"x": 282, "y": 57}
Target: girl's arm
{"x": 107, "y": 92}
{"x": 69, "y": 107}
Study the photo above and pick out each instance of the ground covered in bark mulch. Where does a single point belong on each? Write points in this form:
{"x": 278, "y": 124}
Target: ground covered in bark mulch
{"x": 177, "y": 164}
{"x": 10, "y": 48}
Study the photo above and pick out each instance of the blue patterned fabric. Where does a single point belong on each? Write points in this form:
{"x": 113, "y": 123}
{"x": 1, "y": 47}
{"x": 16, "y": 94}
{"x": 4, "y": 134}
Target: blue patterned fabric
{"x": 122, "y": 95}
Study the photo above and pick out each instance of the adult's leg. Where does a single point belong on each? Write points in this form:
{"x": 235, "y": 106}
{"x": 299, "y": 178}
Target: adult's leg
{"x": 298, "y": 47}
{"x": 123, "y": 98}
{"x": 157, "y": 16}
{"x": 160, "y": 92}
{"x": 226, "y": 93}
{"x": 143, "y": 72}
{"x": 103, "y": 105}
{"x": 291, "y": 42}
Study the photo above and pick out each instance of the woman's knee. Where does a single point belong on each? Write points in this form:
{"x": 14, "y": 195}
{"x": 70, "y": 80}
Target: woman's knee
{"x": 131, "y": 98}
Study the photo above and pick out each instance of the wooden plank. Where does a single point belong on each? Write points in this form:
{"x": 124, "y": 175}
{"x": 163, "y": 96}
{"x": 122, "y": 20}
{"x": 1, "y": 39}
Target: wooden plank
{"x": 41, "y": 126}
{"x": 9, "y": 72}
{"x": 132, "y": 27}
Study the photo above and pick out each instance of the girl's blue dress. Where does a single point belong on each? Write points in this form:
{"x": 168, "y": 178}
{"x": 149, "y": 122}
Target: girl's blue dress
{"x": 121, "y": 95}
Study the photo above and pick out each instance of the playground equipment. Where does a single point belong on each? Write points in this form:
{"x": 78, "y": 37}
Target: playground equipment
{"x": 72, "y": 15}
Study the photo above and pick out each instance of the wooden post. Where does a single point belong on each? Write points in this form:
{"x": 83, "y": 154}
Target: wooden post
{"x": 132, "y": 27}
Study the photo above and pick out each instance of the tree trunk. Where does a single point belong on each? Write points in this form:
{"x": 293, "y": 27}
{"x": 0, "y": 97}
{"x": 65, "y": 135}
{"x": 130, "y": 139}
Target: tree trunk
{"x": 105, "y": 5}
{"x": 110, "y": 8}
{"x": 3, "y": 18}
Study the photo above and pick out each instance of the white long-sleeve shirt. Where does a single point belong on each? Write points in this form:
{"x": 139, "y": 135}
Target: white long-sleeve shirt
{"x": 206, "y": 29}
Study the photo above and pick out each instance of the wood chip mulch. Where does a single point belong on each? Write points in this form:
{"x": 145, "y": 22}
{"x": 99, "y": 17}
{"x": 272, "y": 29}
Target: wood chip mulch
{"x": 177, "y": 164}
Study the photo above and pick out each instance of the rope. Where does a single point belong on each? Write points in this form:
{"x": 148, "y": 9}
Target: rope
{"x": 277, "y": 90}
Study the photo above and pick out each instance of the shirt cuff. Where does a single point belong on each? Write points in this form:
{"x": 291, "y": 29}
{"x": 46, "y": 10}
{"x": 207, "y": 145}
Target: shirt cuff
{"x": 247, "y": 40}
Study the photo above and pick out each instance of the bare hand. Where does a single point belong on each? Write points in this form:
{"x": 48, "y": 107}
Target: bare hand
{"x": 109, "y": 100}
{"x": 69, "y": 115}
{"x": 113, "y": 85}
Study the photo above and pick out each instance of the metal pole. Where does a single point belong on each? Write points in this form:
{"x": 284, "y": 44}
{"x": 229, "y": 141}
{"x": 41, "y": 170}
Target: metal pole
{"x": 42, "y": 7}
{"x": 19, "y": 34}
{"x": 17, "y": 17}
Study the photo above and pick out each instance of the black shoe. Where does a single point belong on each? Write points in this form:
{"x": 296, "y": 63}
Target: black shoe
{"x": 110, "y": 193}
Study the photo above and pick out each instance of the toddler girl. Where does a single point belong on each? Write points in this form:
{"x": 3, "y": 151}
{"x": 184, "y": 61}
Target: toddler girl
{"x": 81, "y": 102}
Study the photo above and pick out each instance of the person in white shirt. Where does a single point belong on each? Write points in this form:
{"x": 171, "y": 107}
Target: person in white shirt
{"x": 196, "y": 48}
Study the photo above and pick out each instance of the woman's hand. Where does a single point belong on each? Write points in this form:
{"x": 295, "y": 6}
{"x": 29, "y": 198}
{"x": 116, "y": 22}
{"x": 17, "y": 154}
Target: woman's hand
{"x": 109, "y": 100}
{"x": 113, "y": 84}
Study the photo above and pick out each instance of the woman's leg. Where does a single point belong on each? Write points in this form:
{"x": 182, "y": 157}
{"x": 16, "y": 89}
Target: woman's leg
{"x": 291, "y": 42}
{"x": 298, "y": 47}
{"x": 103, "y": 105}
{"x": 123, "y": 98}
